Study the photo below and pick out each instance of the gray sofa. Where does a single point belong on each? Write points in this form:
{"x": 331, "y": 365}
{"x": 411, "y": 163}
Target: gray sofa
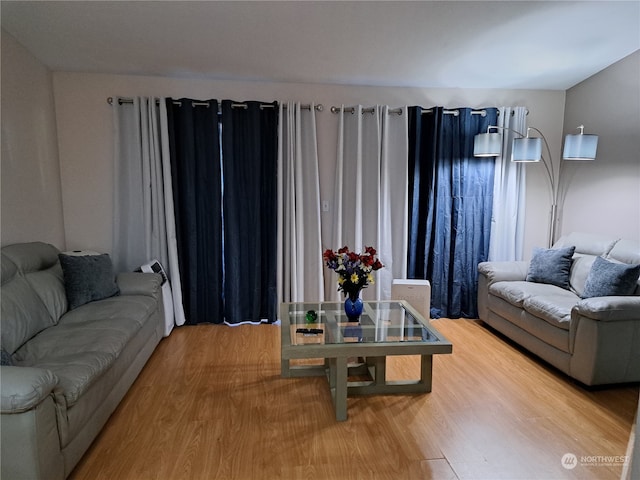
{"x": 595, "y": 340}
{"x": 65, "y": 371}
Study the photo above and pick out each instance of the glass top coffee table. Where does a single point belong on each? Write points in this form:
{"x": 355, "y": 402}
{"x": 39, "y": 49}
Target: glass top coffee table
{"x": 321, "y": 330}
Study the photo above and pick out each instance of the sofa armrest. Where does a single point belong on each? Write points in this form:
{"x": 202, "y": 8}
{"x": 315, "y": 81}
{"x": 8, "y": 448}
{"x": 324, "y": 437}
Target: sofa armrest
{"x": 23, "y": 388}
{"x": 136, "y": 283}
{"x": 503, "y": 271}
{"x": 492, "y": 272}
{"x": 609, "y": 309}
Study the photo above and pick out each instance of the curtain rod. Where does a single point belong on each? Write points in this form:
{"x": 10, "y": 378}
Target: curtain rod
{"x": 399, "y": 111}
{"x": 482, "y": 112}
{"x": 473, "y": 112}
{"x": 120, "y": 101}
{"x": 335, "y": 109}
{"x": 319, "y": 107}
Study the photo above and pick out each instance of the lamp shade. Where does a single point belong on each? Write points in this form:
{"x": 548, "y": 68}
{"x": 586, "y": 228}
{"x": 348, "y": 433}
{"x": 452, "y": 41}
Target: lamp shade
{"x": 487, "y": 145}
{"x": 580, "y": 147}
{"x": 527, "y": 149}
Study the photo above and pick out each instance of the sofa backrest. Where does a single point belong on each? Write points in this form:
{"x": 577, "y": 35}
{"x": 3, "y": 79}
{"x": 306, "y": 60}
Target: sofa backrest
{"x": 33, "y": 296}
{"x": 625, "y": 251}
{"x": 589, "y": 246}
{"x": 587, "y": 243}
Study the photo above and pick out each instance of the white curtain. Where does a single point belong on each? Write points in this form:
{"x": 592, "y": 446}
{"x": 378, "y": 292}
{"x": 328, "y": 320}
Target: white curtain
{"x": 509, "y": 189}
{"x": 144, "y": 226}
{"x": 300, "y": 267}
{"x": 370, "y": 207}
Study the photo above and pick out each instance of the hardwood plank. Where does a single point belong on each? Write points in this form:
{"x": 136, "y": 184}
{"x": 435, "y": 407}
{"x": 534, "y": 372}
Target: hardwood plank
{"x": 211, "y": 404}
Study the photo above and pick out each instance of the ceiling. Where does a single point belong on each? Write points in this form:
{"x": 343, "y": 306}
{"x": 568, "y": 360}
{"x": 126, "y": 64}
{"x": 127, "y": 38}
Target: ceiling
{"x": 433, "y": 44}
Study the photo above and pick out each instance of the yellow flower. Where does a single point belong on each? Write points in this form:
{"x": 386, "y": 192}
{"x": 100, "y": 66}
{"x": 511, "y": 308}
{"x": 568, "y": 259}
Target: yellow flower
{"x": 340, "y": 280}
{"x": 354, "y": 278}
{"x": 370, "y": 279}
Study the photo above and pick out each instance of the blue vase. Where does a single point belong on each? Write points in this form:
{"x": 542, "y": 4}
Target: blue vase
{"x": 353, "y": 306}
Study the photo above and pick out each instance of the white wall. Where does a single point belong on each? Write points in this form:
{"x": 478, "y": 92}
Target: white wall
{"x": 85, "y": 134}
{"x": 604, "y": 195}
{"x": 31, "y": 197}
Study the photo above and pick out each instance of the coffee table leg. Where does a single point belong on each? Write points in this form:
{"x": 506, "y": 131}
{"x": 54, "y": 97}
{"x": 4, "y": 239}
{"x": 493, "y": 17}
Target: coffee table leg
{"x": 330, "y": 368}
{"x": 426, "y": 371}
{"x": 284, "y": 368}
{"x": 340, "y": 397}
{"x": 379, "y": 366}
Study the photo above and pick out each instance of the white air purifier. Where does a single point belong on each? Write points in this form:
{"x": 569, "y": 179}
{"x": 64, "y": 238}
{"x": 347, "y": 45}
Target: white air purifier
{"x": 154, "y": 266}
{"x": 416, "y": 293}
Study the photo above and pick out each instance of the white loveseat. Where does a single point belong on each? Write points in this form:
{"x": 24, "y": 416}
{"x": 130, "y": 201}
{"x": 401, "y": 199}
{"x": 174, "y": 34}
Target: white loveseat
{"x": 594, "y": 340}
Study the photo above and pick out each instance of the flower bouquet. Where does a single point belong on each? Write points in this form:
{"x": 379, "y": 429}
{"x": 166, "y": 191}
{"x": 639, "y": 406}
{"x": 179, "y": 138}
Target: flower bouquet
{"x": 355, "y": 272}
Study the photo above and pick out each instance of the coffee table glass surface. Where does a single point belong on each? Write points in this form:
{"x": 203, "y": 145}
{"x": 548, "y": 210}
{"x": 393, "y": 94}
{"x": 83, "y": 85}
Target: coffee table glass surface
{"x": 379, "y": 322}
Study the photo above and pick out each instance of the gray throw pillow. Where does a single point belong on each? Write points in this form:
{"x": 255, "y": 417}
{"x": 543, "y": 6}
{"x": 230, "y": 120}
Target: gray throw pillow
{"x": 5, "y": 358}
{"x": 608, "y": 279}
{"x": 551, "y": 265}
{"x": 87, "y": 278}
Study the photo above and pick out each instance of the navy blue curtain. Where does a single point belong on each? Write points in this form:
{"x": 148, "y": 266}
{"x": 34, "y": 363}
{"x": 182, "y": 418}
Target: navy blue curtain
{"x": 450, "y": 204}
{"x": 249, "y": 146}
{"x": 196, "y": 179}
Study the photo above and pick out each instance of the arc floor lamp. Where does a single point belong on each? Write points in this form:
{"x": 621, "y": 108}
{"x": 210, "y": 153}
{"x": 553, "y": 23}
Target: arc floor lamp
{"x": 529, "y": 149}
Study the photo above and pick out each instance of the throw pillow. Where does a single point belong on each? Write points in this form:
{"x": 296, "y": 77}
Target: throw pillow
{"x": 87, "y": 278}
{"x": 551, "y": 265}
{"x": 608, "y": 278}
{"x": 5, "y": 358}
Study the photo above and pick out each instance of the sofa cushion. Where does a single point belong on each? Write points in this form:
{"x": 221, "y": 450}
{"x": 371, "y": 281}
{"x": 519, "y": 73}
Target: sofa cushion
{"x": 580, "y": 269}
{"x": 548, "y": 302}
{"x": 517, "y": 292}
{"x": 32, "y": 257}
{"x": 49, "y": 286}
{"x": 23, "y": 314}
{"x": 38, "y": 263}
{"x": 86, "y": 341}
{"x": 553, "y": 309}
{"x": 88, "y": 278}
{"x": 33, "y": 295}
{"x": 625, "y": 251}
{"x": 608, "y": 279}
{"x": 9, "y": 269}
{"x": 551, "y": 265}
{"x": 587, "y": 243}
{"x": 135, "y": 307}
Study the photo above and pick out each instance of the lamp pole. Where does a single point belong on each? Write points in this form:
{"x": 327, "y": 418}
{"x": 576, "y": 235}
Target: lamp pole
{"x": 554, "y": 184}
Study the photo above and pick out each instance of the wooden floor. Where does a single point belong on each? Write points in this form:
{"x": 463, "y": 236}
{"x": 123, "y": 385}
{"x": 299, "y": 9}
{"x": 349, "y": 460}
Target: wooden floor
{"x": 211, "y": 404}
